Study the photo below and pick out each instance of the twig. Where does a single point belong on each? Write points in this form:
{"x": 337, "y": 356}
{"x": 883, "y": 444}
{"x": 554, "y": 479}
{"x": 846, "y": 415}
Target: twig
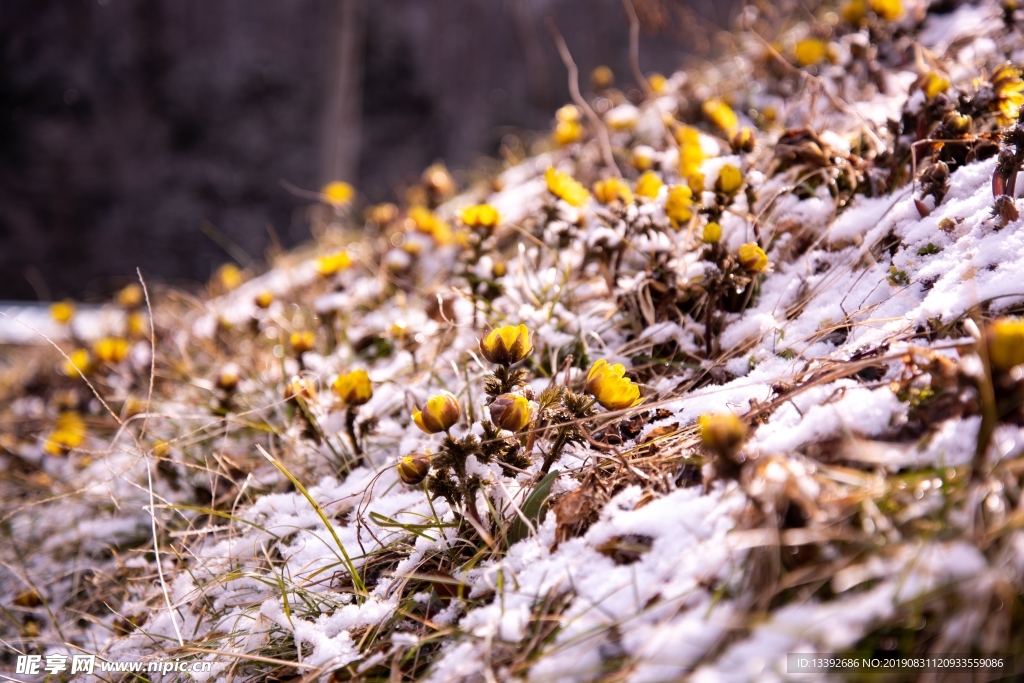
{"x": 574, "y": 92}
{"x": 634, "y": 50}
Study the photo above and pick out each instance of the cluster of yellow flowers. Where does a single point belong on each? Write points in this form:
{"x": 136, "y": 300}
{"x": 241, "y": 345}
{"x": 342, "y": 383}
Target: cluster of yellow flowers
{"x": 565, "y": 187}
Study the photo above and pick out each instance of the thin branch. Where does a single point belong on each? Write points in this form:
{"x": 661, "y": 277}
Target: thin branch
{"x": 634, "y": 50}
{"x": 574, "y": 91}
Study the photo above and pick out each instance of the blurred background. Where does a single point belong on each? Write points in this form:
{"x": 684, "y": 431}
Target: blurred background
{"x": 140, "y": 133}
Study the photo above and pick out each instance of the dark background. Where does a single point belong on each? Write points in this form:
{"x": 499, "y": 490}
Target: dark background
{"x": 125, "y": 125}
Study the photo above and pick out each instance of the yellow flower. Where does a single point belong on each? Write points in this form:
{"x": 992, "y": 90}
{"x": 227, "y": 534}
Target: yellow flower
{"x": 1006, "y": 343}
{"x": 302, "y": 341}
{"x": 110, "y": 349}
{"x": 480, "y": 216}
{"x": 810, "y": 51}
{"x": 890, "y": 10}
{"x": 569, "y": 113}
{"x": 137, "y": 324}
{"x": 753, "y": 258}
{"x": 567, "y": 132}
{"x": 722, "y": 433}
{"x": 641, "y": 158}
{"x": 602, "y": 77}
{"x": 648, "y": 185}
{"x": 721, "y": 114}
{"x": 79, "y": 359}
{"x": 511, "y": 412}
{"x": 131, "y": 296}
{"x": 934, "y": 83}
{"x": 264, "y": 299}
{"x": 69, "y": 433}
{"x": 507, "y": 344}
{"x": 610, "y": 387}
{"x": 332, "y": 263}
{"x": 679, "y": 206}
{"x": 608, "y": 190}
{"x": 1009, "y": 89}
{"x": 729, "y": 179}
{"x": 62, "y": 311}
{"x": 854, "y": 11}
{"x": 439, "y": 415}
{"x": 424, "y": 221}
{"x": 712, "y": 233}
{"x": 353, "y": 388}
{"x": 413, "y": 468}
{"x": 337, "y": 193}
{"x": 228, "y": 276}
{"x": 696, "y": 181}
{"x": 565, "y": 187}
{"x": 690, "y": 154}
{"x": 657, "y": 82}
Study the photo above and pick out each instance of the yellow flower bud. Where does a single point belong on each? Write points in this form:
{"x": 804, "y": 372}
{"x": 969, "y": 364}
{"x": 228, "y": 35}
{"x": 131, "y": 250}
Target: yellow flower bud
{"x": 810, "y": 51}
{"x": 641, "y": 158}
{"x": 743, "y": 141}
{"x": 722, "y": 433}
{"x": 657, "y": 82}
{"x": 507, "y": 344}
{"x": 934, "y": 83}
{"x": 565, "y": 187}
{"x": 337, "y": 193}
{"x": 264, "y": 299}
{"x": 729, "y": 179}
{"x": 131, "y": 296}
{"x": 300, "y": 388}
{"x": 648, "y": 185}
{"x": 608, "y": 190}
{"x": 353, "y": 388}
{"x": 332, "y": 263}
{"x": 602, "y": 77}
{"x": 69, "y": 433}
{"x": 568, "y": 112}
{"x": 439, "y": 181}
{"x": 712, "y": 233}
{"x": 679, "y": 206}
{"x": 498, "y": 269}
{"x": 1005, "y": 339}
{"x": 413, "y": 468}
{"x": 567, "y": 132}
{"x": 890, "y": 10}
{"x": 79, "y": 359}
{"x": 854, "y": 11}
{"x": 301, "y": 342}
{"x": 480, "y": 216}
{"x": 511, "y": 412}
{"x": 228, "y": 277}
{"x": 610, "y": 387}
{"x": 63, "y": 311}
{"x": 439, "y": 415}
{"x": 137, "y": 324}
{"x": 753, "y": 258}
{"x": 228, "y": 377}
{"x": 957, "y": 123}
{"x": 110, "y": 349}
{"x": 382, "y": 214}
{"x": 721, "y": 114}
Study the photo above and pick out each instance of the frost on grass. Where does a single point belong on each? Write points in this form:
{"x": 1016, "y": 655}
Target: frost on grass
{"x": 805, "y": 266}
